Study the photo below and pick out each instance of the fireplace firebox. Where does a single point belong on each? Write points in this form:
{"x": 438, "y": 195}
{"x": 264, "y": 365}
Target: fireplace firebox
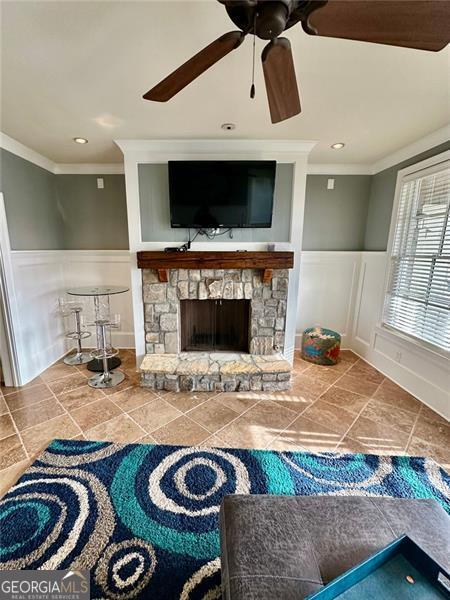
{"x": 215, "y": 325}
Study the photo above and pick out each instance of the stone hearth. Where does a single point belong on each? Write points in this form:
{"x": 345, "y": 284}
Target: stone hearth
{"x": 220, "y": 371}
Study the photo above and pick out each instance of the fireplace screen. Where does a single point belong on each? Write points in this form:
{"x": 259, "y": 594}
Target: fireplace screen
{"x": 215, "y": 325}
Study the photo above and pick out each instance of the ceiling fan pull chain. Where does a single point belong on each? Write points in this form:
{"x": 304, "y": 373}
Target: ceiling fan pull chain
{"x": 252, "y": 88}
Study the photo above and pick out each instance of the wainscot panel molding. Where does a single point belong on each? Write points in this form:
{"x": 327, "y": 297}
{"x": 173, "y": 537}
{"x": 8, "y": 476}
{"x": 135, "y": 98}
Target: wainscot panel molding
{"x": 419, "y": 370}
{"x": 328, "y": 287}
{"x": 40, "y": 278}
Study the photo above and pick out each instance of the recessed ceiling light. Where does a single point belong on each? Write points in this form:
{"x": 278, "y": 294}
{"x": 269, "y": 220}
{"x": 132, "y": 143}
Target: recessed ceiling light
{"x": 228, "y": 126}
{"x": 338, "y": 146}
{"x": 79, "y": 140}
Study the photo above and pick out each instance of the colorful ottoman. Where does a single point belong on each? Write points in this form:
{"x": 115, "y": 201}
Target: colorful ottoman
{"x": 321, "y": 346}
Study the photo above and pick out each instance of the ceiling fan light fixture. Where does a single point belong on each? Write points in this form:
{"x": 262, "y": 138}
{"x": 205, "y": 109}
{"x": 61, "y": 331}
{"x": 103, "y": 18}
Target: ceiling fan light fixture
{"x": 228, "y": 126}
{"x": 80, "y": 140}
{"x": 338, "y": 146}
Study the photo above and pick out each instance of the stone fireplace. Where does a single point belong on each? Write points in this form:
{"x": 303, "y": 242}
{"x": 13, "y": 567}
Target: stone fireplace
{"x": 265, "y": 304}
{"x": 215, "y": 328}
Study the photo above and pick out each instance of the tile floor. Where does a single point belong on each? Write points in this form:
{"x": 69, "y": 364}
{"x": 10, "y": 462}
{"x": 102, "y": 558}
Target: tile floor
{"x": 349, "y": 407}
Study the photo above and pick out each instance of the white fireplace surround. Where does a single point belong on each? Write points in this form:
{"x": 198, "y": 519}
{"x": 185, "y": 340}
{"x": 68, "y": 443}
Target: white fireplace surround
{"x": 161, "y": 151}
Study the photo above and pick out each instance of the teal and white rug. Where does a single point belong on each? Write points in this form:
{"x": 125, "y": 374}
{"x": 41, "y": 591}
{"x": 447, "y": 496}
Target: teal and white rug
{"x": 144, "y": 519}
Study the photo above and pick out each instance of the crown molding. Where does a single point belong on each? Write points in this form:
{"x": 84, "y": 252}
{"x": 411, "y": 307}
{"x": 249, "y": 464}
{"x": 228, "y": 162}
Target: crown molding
{"x": 15, "y": 147}
{"x": 89, "y": 169}
{"x": 440, "y": 136}
{"x": 338, "y": 169}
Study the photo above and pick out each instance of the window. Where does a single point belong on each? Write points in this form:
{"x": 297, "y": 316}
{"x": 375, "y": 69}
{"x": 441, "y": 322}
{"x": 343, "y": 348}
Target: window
{"x": 417, "y": 300}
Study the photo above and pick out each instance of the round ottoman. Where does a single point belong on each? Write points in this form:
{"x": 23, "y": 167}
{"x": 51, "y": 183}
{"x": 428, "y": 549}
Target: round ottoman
{"x": 321, "y": 346}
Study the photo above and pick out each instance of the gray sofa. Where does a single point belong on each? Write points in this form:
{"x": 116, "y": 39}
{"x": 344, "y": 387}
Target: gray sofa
{"x": 286, "y": 547}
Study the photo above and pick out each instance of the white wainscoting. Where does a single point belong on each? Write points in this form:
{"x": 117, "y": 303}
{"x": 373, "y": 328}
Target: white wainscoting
{"x": 328, "y": 286}
{"x": 40, "y": 278}
{"x": 420, "y": 371}
{"x": 345, "y": 291}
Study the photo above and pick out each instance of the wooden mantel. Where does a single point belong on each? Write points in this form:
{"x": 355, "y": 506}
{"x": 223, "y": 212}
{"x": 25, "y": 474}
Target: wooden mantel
{"x": 266, "y": 261}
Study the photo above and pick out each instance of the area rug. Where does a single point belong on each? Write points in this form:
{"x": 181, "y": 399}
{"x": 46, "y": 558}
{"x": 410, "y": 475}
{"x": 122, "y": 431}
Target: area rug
{"x": 144, "y": 519}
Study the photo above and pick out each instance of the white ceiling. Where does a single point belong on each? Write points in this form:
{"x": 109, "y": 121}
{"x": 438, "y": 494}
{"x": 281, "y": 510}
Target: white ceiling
{"x": 80, "y": 68}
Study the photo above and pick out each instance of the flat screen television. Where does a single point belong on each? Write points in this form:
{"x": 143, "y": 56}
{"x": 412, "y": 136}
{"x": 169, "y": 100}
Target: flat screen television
{"x": 207, "y": 194}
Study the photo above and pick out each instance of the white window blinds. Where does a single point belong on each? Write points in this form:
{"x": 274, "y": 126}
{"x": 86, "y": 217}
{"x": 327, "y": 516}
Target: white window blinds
{"x": 418, "y": 296}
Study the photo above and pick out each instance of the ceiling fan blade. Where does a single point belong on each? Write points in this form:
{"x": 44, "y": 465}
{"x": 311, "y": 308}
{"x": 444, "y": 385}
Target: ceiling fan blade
{"x": 281, "y": 83}
{"x": 195, "y": 66}
{"x": 421, "y": 24}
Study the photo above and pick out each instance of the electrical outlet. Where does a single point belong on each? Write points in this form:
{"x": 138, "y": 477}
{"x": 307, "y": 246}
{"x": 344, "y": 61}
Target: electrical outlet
{"x": 100, "y": 183}
{"x": 398, "y": 356}
{"x": 330, "y": 184}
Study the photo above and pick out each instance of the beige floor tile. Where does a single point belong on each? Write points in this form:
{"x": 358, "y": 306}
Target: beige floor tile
{"x": 126, "y": 383}
{"x": 146, "y": 439}
{"x": 269, "y": 414}
{"x": 366, "y": 372}
{"x": 433, "y": 432}
{"x": 350, "y": 401}
{"x": 350, "y": 446}
{"x": 11, "y": 389}
{"x": 132, "y": 398}
{"x": 11, "y": 451}
{"x": 386, "y": 415}
{"x": 212, "y": 415}
{"x": 121, "y": 430}
{"x": 308, "y": 388}
{"x": 237, "y": 401}
{"x": 155, "y": 414}
{"x": 37, "y": 438}
{"x": 80, "y": 397}
{"x": 181, "y": 431}
{"x": 327, "y": 375}
{"x": 3, "y": 406}
{"x": 9, "y": 476}
{"x": 57, "y": 371}
{"x": 441, "y": 454}
{"x": 334, "y": 417}
{"x": 348, "y": 356}
{"x": 214, "y": 441}
{"x": 37, "y": 413}
{"x": 377, "y": 438}
{"x": 186, "y": 401}
{"x": 359, "y": 385}
{"x": 299, "y": 365}
{"x": 397, "y": 397}
{"x": 6, "y": 426}
{"x": 93, "y": 414}
{"x": 304, "y": 434}
{"x": 68, "y": 383}
{"x": 244, "y": 434}
{"x": 28, "y": 396}
{"x": 432, "y": 415}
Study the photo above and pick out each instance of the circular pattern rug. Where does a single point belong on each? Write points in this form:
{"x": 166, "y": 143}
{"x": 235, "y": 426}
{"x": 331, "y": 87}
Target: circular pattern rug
{"x": 144, "y": 519}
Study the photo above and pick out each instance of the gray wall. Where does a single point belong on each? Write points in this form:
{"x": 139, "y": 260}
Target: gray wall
{"x": 62, "y": 212}
{"x": 382, "y": 198}
{"x": 155, "y": 212}
{"x": 34, "y": 220}
{"x": 336, "y": 219}
{"x": 94, "y": 219}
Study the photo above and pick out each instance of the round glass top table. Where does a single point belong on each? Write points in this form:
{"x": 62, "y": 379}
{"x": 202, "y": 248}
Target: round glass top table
{"x": 93, "y": 291}
{"x": 102, "y": 290}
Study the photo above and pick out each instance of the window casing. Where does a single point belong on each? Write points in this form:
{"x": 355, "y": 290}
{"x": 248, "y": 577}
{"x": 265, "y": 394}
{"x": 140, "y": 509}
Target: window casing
{"x": 417, "y": 301}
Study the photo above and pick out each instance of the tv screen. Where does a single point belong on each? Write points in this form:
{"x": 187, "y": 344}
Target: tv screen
{"x": 205, "y": 194}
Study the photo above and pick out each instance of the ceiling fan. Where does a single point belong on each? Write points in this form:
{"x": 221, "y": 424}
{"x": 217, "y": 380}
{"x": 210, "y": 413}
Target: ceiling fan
{"x": 424, "y": 25}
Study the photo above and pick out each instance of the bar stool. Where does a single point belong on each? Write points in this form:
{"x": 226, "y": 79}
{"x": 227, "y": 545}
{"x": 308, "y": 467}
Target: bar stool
{"x": 105, "y": 351}
{"x": 68, "y": 308}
